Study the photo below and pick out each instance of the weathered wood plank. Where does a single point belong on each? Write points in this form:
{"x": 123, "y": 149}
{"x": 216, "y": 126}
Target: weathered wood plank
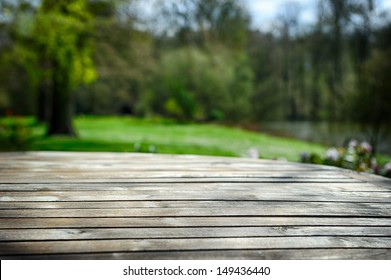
{"x": 272, "y": 185}
{"x": 273, "y": 210}
{"x": 298, "y": 177}
{"x": 296, "y": 254}
{"x": 242, "y": 205}
{"x": 191, "y": 222}
{"x": 58, "y": 159}
{"x": 200, "y": 232}
{"x": 156, "y": 194}
{"x": 157, "y": 163}
{"x": 165, "y": 178}
{"x": 132, "y": 245}
{"x": 127, "y": 176}
{"x": 119, "y": 167}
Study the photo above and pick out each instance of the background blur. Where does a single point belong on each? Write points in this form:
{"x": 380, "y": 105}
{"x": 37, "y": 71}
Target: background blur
{"x": 317, "y": 70}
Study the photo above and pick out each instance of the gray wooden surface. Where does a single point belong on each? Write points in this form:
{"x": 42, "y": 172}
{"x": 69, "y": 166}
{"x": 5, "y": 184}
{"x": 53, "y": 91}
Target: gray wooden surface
{"x": 140, "y": 206}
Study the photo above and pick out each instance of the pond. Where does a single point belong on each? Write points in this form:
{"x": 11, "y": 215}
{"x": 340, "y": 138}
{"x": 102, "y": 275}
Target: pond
{"x": 329, "y": 134}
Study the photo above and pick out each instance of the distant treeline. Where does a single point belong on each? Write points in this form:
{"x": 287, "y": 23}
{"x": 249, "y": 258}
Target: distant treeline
{"x": 196, "y": 60}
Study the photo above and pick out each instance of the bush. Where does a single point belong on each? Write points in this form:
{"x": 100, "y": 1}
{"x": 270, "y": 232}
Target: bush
{"x": 355, "y": 156}
{"x": 15, "y": 134}
{"x": 198, "y": 84}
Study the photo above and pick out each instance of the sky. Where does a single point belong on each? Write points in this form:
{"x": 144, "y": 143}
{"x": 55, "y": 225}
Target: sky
{"x": 264, "y": 12}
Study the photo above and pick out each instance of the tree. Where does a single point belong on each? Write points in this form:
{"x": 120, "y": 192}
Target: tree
{"x": 372, "y": 103}
{"x": 339, "y": 14}
{"x": 62, "y": 35}
{"x": 224, "y": 21}
{"x": 203, "y": 22}
{"x": 123, "y": 60}
{"x": 266, "y": 101}
{"x": 289, "y": 19}
{"x": 362, "y": 37}
{"x": 195, "y": 84}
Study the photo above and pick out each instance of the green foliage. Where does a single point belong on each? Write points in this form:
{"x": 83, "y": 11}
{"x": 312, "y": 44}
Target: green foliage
{"x": 57, "y": 34}
{"x": 206, "y": 65}
{"x": 125, "y": 66}
{"x": 241, "y": 90}
{"x": 204, "y": 85}
{"x": 19, "y": 75}
{"x": 205, "y": 22}
{"x": 372, "y": 103}
{"x": 61, "y": 31}
{"x": 355, "y": 156}
{"x": 51, "y": 48}
{"x": 181, "y": 105}
{"x": 124, "y": 134}
{"x": 223, "y": 21}
{"x": 15, "y": 85}
{"x": 15, "y": 134}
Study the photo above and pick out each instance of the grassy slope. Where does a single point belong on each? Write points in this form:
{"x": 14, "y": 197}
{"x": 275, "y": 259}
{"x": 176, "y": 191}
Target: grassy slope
{"x": 121, "y": 134}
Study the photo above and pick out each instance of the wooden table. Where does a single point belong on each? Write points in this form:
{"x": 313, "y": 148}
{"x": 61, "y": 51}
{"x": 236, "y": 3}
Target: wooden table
{"x": 142, "y": 206}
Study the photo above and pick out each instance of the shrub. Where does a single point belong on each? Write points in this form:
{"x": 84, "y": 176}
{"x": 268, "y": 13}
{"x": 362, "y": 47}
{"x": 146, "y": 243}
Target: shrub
{"x": 199, "y": 84}
{"x": 355, "y": 155}
{"x": 15, "y": 134}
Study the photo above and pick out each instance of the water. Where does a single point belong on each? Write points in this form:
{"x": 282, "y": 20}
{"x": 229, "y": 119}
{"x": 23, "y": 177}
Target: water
{"x": 329, "y": 134}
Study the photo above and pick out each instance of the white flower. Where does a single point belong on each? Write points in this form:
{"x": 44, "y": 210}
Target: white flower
{"x": 374, "y": 164}
{"x": 350, "y": 158}
{"x": 332, "y": 154}
{"x": 363, "y": 166}
{"x": 353, "y": 144}
{"x": 137, "y": 147}
{"x": 366, "y": 147}
{"x": 253, "y": 153}
{"x": 152, "y": 149}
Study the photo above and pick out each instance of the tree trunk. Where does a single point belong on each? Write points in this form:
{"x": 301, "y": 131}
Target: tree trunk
{"x": 315, "y": 94}
{"x": 61, "y": 117}
{"x": 43, "y": 102}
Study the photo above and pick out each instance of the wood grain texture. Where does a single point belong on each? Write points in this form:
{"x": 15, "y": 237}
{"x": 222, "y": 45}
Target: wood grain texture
{"x": 56, "y": 205}
{"x": 191, "y": 222}
{"x": 263, "y": 254}
{"x": 199, "y": 232}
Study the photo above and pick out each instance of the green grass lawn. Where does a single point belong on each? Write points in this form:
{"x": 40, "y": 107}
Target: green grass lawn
{"x": 124, "y": 134}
